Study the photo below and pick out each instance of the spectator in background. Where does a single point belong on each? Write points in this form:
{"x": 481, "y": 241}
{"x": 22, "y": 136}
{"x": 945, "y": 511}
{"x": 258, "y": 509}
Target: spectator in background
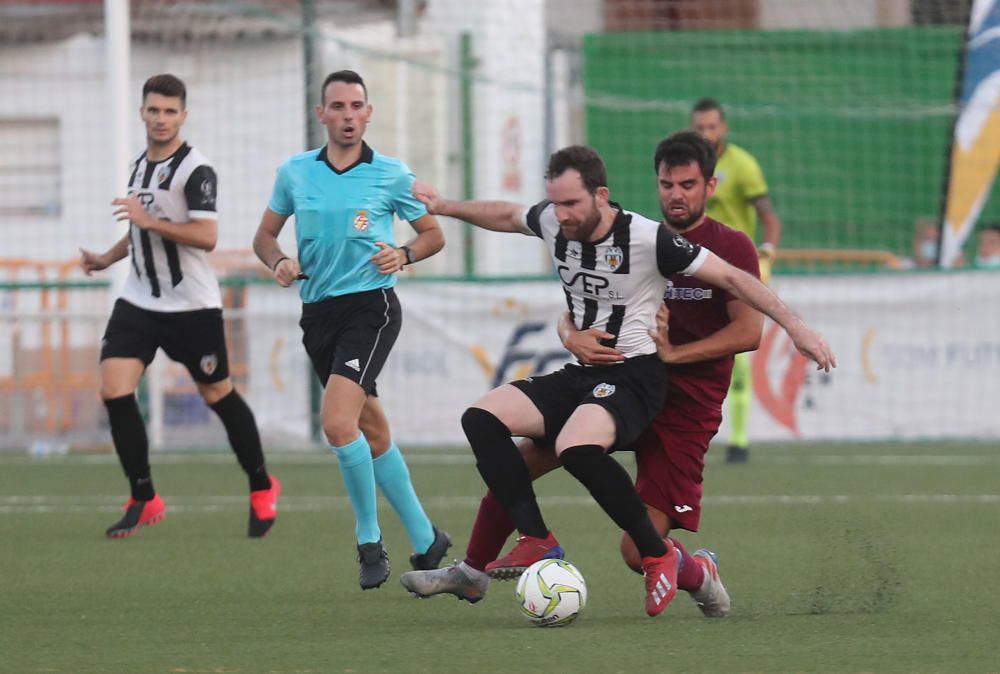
{"x": 926, "y": 245}
{"x": 988, "y": 252}
{"x": 741, "y": 198}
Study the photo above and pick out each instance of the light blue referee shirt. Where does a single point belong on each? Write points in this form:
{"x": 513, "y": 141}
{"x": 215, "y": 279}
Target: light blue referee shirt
{"x": 339, "y": 215}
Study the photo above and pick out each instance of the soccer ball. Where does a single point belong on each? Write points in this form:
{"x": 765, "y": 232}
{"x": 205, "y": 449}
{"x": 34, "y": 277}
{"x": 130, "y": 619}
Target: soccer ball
{"x": 551, "y": 593}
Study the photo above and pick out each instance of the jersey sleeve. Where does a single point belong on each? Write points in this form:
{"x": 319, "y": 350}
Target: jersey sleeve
{"x": 752, "y": 181}
{"x": 676, "y": 254}
{"x": 281, "y": 201}
{"x": 406, "y": 206}
{"x": 200, "y": 192}
{"x": 532, "y": 217}
{"x": 742, "y": 254}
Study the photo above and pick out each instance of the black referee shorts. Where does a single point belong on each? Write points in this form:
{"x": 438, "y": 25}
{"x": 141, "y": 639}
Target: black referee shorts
{"x": 632, "y": 391}
{"x": 351, "y": 335}
{"x": 196, "y": 339}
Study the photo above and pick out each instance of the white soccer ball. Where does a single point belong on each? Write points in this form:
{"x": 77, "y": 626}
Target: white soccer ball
{"x": 551, "y": 593}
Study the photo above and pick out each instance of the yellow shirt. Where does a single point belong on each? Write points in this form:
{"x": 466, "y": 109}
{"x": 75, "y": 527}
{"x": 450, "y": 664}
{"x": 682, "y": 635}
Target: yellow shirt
{"x": 739, "y": 179}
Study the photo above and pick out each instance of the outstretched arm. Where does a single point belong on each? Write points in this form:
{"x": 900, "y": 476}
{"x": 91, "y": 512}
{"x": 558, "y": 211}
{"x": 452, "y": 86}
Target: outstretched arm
{"x": 718, "y": 272}
{"x": 497, "y": 216}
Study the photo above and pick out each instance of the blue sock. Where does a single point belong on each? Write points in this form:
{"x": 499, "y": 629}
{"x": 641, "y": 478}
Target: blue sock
{"x": 393, "y": 478}
{"x": 356, "y": 469}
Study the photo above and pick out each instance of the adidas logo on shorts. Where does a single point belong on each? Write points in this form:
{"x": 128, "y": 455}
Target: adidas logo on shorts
{"x": 354, "y": 364}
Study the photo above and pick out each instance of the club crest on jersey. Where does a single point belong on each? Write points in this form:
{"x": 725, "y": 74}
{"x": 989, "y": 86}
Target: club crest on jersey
{"x": 163, "y": 174}
{"x": 209, "y": 363}
{"x": 603, "y": 390}
{"x": 614, "y": 256}
{"x": 361, "y": 221}
{"x": 682, "y": 243}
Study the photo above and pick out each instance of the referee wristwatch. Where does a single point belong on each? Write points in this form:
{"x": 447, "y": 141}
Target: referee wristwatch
{"x": 408, "y": 252}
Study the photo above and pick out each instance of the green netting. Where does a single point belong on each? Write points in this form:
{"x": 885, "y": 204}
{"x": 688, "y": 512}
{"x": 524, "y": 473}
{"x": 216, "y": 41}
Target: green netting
{"x": 852, "y": 129}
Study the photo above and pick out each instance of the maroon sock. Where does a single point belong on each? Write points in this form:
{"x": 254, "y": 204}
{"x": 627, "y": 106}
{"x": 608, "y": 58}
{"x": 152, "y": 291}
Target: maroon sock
{"x": 489, "y": 533}
{"x": 691, "y": 574}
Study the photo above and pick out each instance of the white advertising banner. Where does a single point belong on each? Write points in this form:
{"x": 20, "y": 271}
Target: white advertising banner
{"x": 919, "y": 357}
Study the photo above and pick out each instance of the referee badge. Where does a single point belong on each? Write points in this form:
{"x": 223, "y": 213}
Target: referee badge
{"x": 209, "y": 363}
{"x": 361, "y": 221}
{"x": 603, "y": 390}
{"x": 614, "y": 256}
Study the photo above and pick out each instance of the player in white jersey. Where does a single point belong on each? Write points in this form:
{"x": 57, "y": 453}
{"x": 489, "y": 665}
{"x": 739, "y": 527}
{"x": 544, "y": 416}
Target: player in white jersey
{"x": 614, "y": 266}
{"x": 171, "y": 300}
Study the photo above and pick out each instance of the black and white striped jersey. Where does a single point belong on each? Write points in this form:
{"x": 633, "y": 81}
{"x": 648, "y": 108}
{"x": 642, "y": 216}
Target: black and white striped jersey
{"x": 166, "y": 275}
{"x": 617, "y": 284}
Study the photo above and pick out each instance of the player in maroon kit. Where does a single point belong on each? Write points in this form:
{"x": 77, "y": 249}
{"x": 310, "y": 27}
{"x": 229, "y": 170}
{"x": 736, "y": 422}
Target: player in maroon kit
{"x": 701, "y": 328}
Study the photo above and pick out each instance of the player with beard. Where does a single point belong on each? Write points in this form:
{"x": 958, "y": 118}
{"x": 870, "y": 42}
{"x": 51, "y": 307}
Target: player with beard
{"x": 614, "y": 266}
{"x": 343, "y": 196}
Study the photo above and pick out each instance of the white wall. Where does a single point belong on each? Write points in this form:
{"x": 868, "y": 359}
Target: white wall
{"x": 244, "y": 104}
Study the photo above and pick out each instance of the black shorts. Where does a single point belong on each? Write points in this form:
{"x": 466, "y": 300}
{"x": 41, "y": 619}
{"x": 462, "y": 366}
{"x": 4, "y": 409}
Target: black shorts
{"x": 196, "y": 339}
{"x": 351, "y": 335}
{"x": 632, "y": 391}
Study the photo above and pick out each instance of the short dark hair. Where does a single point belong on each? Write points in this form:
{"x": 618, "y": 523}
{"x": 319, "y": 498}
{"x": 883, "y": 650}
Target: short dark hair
{"x": 995, "y": 226}
{"x": 348, "y": 76}
{"x": 706, "y": 104}
{"x": 165, "y": 85}
{"x": 582, "y": 158}
{"x": 682, "y": 148}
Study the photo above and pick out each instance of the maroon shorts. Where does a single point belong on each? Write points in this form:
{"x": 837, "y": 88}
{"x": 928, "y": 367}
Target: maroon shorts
{"x": 670, "y": 465}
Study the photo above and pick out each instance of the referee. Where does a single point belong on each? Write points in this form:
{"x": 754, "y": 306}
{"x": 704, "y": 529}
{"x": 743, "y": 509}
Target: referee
{"x": 343, "y": 196}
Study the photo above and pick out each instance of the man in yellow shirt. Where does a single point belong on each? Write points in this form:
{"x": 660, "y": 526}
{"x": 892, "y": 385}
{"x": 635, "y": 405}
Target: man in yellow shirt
{"x": 740, "y": 199}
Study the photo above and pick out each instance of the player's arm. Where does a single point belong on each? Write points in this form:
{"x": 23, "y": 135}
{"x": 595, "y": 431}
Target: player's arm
{"x": 586, "y": 344}
{"x": 497, "y": 216}
{"x": 197, "y": 232}
{"x": 429, "y": 240}
{"x": 91, "y": 261}
{"x": 284, "y": 269}
{"x": 742, "y": 333}
{"x": 716, "y": 271}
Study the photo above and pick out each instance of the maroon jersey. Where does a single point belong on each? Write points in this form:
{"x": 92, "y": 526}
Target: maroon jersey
{"x": 696, "y": 390}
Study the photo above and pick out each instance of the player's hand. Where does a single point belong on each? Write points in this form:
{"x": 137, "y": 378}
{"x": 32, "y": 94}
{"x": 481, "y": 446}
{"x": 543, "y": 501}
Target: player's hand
{"x": 812, "y": 345}
{"x": 661, "y": 335}
{"x": 131, "y": 209}
{"x": 388, "y": 260}
{"x": 287, "y": 271}
{"x": 91, "y": 262}
{"x": 428, "y": 195}
{"x": 586, "y": 346}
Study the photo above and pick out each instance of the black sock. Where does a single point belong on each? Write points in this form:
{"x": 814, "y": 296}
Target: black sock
{"x": 128, "y": 432}
{"x": 243, "y": 438}
{"x": 612, "y": 488}
{"x": 503, "y": 470}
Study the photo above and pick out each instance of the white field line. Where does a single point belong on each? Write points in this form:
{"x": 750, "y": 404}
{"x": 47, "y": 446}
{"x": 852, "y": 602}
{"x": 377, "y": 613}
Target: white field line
{"x": 40, "y": 504}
